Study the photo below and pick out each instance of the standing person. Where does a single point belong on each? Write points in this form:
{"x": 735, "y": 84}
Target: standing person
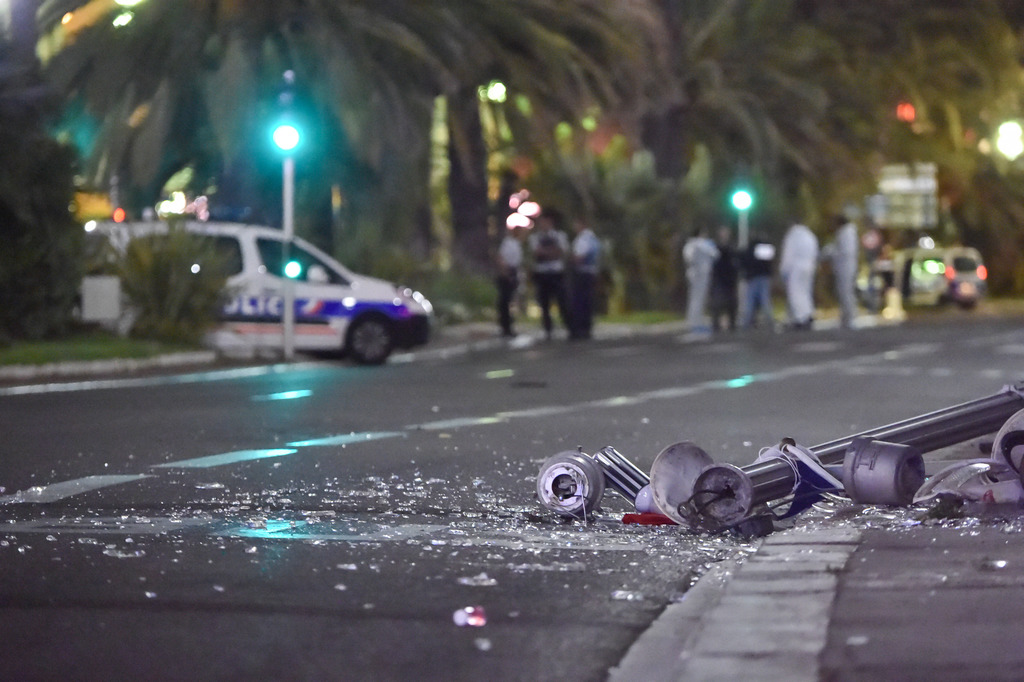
{"x": 548, "y": 249}
{"x": 509, "y": 263}
{"x": 891, "y": 296}
{"x": 757, "y": 263}
{"x": 724, "y": 282}
{"x": 699, "y": 255}
{"x": 872, "y": 243}
{"x": 796, "y": 266}
{"x": 843, "y": 253}
{"x": 586, "y": 259}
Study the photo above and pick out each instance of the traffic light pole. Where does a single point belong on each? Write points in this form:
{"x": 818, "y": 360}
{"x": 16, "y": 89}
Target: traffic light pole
{"x": 742, "y": 200}
{"x": 742, "y": 240}
{"x": 288, "y": 222}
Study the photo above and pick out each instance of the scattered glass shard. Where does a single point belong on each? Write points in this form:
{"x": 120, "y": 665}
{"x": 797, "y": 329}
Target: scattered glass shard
{"x": 481, "y": 580}
{"x": 627, "y": 595}
{"x": 994, "y": 564}
{"x": 118, "y": 554}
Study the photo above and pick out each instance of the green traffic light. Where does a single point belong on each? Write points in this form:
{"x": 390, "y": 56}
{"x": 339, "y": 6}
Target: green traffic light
{"x": 292, "y": 269}
{"x": 742, "y": 199}
{"x": 286, "y": 137}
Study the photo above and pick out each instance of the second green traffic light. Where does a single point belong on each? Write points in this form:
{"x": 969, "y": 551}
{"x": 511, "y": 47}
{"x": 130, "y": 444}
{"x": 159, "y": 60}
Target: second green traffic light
{"x": 742, "y": 200}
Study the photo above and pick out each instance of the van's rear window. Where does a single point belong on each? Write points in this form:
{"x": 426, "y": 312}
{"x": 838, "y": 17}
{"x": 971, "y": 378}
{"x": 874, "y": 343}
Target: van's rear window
{"x": 965, "y": 264}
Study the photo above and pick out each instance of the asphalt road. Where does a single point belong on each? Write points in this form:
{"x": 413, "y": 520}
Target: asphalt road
{"x": 326, "y": 521}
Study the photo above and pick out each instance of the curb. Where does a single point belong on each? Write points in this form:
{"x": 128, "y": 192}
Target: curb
{"x": 483, "y": 337}
{"x": 113, "y": 366}
{"x": 764, "y": 617}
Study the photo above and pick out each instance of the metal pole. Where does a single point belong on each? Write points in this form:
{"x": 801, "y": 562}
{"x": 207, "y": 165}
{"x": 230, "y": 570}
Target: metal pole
{"x": 742, "y": 241}
{"x": 729, "y": 493}
{"x": 288, "y": 200}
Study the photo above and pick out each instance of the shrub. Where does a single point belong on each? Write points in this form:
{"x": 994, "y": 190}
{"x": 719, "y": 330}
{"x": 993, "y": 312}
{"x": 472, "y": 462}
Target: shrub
{"x": 40, "y": 260}
{"x": 456, "y": 294}
{"x": 461, "y": 297}
{"x": 175, "y": 284}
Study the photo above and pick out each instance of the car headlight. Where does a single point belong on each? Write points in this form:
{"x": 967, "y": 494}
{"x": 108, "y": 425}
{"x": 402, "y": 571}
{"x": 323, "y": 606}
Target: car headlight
{"x": 419, "y": 299}
{"x": 422, "y": 300}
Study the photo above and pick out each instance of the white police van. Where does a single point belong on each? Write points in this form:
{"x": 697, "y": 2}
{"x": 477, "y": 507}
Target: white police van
{"x": 335, "y": 308}
{"x": 936, "y": 276}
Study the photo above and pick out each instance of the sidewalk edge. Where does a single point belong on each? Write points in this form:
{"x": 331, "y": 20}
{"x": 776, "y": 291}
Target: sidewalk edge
{"x": 769, "y": 610}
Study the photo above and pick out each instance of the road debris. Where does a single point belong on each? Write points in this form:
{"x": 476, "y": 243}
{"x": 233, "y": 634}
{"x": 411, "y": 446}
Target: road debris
{"x": 881, "y": 466}
{"x": 470, "y": 616}
{"x": 974, "y": 480}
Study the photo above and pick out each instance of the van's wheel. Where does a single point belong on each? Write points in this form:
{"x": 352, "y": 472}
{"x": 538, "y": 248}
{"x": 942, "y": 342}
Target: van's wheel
{"x": 370, "y": 340}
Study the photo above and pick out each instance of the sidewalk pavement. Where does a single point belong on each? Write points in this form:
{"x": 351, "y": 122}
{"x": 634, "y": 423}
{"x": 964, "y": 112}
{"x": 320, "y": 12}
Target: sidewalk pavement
{"x": 914, "y": 602}
{"x": 479, "y": 336}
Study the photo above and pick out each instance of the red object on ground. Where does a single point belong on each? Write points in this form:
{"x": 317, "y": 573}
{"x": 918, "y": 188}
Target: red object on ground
{"x": 648, "y": 519}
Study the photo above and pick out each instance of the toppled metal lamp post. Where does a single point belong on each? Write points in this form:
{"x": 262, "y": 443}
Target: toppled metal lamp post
{"x": 726, "y": 494}
{"x": 878, "y": 466}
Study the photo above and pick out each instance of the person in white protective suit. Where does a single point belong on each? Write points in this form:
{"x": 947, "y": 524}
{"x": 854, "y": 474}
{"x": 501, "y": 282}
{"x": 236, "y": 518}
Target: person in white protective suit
{"x": 843, "y": 253}
{"x": 699, "y": 254}
{"x": 796, "y": 266}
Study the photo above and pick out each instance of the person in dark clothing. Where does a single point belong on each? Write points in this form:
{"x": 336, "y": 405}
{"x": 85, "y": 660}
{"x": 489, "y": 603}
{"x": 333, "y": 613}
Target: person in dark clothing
{"x": 724, "y": 298}
{"x": 757, "y": 262}
{"x": 586, "y": 261}
{"x": 549, "y": 248}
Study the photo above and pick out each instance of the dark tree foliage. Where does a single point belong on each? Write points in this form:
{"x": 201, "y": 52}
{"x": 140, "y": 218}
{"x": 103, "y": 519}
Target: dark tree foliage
{"x": 40, "y": 260}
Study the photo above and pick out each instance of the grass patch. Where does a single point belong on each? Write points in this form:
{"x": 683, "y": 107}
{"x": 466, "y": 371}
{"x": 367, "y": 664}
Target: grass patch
{"x": 93, "y": 345}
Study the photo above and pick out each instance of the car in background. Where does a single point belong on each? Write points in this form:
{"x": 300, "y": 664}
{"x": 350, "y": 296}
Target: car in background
{"x": 941, "y": 275}
{"x": 335, "y": 309}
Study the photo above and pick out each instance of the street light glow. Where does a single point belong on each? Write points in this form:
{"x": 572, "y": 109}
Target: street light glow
{"x": 494, "y": 91}
{"x": 1010, "y": 140}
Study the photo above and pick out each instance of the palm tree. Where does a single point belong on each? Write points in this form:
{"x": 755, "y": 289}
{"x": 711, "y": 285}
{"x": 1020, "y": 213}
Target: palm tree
{"x": 747, "y": 94}
{"x": 806, "y": 89}
{"x": 961, "y": 69}
{"x": 193, "y": 82}
{"x": 557, "y": 63}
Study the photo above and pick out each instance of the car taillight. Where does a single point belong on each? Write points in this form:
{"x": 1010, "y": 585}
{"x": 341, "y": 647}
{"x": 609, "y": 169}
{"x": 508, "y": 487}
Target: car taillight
{"x": 950, "y": 274}
{"x": 982, "y": 272}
